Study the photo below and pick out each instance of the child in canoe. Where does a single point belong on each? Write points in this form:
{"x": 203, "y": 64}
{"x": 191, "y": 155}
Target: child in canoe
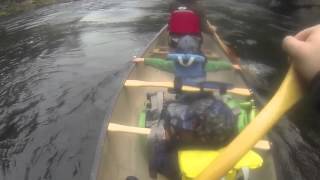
{"x": 187, "y": 62}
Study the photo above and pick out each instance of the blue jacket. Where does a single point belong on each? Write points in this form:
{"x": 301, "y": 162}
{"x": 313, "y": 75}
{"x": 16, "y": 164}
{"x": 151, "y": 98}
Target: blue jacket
{"x": 189, "y": 67}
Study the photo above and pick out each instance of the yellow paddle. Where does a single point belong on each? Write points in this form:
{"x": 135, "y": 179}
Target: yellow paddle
{"x": 286, "y": 96}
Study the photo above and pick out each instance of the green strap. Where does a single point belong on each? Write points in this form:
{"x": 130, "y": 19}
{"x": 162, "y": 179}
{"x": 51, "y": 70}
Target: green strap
{"x": 142, "y": 119}
{"x": 243, "y": 120}
{"x": 247, "y": 110}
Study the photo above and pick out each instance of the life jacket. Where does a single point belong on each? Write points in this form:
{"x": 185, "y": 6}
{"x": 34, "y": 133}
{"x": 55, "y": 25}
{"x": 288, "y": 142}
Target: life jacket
{"x": 184, "y": 21}
{"x": 188, "y": 67}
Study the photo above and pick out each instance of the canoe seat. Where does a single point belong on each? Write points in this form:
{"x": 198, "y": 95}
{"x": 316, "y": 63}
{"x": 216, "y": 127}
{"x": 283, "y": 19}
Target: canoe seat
{"x": 193, "y": 162}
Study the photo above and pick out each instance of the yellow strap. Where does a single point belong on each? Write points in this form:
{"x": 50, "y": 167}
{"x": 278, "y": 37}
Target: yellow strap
{"x": 192, "y": 162}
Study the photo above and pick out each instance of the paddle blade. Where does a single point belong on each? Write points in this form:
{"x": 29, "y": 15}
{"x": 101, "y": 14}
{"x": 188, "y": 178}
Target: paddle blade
{"x": 287, "y": 95}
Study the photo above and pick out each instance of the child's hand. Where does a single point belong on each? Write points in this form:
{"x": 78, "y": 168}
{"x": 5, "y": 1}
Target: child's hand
{"x": 137, "y": 60}
{"x": 236, "y": 66}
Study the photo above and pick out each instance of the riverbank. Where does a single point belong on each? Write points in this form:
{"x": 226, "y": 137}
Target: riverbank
{"x": 11, "y": 7}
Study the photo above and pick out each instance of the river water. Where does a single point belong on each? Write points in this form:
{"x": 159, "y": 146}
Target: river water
{"x": 61, "y": 66}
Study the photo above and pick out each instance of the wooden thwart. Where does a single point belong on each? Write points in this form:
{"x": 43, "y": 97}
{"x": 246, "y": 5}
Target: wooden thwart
{"x": 167, "y": 84}
{"x": 128, "y": 129}
{"x": 113, "y": 127}
{"x": 208, "y": 54}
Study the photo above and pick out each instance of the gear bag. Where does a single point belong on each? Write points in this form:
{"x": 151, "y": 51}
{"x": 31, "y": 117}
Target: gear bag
{"x": 183, "y": 21}
{"x": 199, "y": 120}
{"x": 190, "y": 121}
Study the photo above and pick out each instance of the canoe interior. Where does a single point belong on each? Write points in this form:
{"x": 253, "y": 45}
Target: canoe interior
{"x": 124, "y": 154}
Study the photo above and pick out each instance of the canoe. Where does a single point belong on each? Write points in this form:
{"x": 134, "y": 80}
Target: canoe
{"x": 123, "y": 154}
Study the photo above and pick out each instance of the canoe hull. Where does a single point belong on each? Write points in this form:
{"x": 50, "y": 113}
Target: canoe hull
{"x": 121, "y": 155}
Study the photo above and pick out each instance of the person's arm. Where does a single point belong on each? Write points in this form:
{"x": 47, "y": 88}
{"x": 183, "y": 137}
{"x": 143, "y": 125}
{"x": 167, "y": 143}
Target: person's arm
{"x": 217, "y": 65}
{"x": 303, "y": 50}
{"x": 157, "y": 63}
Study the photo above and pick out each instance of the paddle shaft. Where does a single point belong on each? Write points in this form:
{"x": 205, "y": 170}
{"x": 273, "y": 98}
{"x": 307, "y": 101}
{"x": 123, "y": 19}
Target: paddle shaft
{"x": 287, "y": 95}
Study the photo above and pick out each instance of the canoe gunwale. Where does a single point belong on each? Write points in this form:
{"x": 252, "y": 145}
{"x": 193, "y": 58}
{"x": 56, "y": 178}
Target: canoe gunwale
{"x": 100, "y": 144}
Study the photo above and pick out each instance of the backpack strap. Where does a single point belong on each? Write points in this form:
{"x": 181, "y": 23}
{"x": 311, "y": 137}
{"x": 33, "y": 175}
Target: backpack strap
{"x": 180, "y": 56}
